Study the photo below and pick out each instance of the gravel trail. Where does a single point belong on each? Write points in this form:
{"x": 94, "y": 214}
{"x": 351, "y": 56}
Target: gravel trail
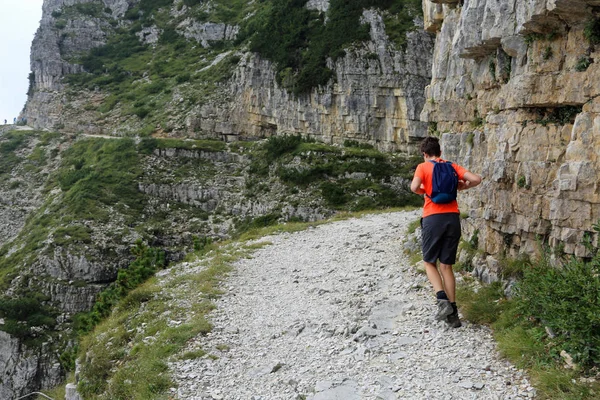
{"x": 337, "y": 313}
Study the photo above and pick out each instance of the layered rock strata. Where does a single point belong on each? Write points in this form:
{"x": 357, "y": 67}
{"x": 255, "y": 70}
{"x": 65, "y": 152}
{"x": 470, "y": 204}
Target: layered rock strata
{"x": 377, "y": 97}
{"x": 514, "y": 94}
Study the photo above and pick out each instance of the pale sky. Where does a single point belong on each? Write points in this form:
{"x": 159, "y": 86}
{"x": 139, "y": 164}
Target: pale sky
{"x": 19, "y": 20}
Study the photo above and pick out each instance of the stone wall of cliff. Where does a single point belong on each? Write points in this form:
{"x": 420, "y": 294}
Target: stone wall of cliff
{"x": 514, "y": 94}
{"x": 376, "y": 98}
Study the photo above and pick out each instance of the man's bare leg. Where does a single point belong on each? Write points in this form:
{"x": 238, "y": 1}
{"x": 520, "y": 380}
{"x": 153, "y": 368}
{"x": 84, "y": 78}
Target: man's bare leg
{"x": 434, "y": 276}
{"x": 449, "y": 282}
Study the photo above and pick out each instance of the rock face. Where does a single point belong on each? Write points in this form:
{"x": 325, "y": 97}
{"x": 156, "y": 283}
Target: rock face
{"x": 514, "y": 94}
{"x": 23, "y": 370}
{"x": 377, "y": 97}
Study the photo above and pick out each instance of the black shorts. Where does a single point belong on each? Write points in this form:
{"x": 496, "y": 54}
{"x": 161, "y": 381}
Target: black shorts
{"x": 441, "y": 234}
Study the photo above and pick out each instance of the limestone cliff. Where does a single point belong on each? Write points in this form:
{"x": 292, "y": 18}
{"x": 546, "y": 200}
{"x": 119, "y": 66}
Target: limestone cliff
{"x": 514, "y": 93}
{"x": 376, "y": 96}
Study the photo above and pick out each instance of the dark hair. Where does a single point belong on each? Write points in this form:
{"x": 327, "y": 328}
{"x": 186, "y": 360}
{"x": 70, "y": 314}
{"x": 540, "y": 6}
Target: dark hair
{"x": 431, "y": 146}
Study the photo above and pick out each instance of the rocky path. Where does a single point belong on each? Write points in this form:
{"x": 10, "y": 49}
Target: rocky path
{"x": 336, "y": 313}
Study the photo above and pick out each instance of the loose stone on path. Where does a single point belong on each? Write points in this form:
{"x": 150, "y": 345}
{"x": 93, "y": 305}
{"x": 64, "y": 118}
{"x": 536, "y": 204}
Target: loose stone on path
{"x": 336, "y": 313}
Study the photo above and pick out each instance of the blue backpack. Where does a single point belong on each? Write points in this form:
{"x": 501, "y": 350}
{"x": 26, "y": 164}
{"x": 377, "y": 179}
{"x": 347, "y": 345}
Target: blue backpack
{"x": 444, "y": 183}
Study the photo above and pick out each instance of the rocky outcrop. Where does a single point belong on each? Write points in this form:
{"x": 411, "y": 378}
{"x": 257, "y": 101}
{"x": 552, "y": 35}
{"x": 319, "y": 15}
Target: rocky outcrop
{"x": 514, "y": 94}
{"x": 207, "y": 32}
{"x": 62, "y": 36}
{"x": 24, "y": 370}
{"x": 377, "y": 97}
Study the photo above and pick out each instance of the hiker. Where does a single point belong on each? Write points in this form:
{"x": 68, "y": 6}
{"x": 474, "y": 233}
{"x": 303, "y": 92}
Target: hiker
{"x": 441, "y": 223}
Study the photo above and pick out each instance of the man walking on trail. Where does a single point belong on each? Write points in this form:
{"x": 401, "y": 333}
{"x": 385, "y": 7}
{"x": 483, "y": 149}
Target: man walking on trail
{"x": 441, "y": 222}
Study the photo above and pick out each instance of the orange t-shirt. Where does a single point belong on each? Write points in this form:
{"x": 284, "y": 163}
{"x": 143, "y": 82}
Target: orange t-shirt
{"x": 425, "y": 172}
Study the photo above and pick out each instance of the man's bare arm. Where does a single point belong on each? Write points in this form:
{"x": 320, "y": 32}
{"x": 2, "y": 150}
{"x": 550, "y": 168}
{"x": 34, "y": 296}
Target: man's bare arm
{"x": 416, "y": 186}
{"x": 470, "y": 180}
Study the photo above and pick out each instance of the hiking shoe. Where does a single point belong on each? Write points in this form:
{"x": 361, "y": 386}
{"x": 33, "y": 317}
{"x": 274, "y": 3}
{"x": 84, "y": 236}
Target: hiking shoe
{"x": 453, "y": 321}
{"x": 444, "y": 309}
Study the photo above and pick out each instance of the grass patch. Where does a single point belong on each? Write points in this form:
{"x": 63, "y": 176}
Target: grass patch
{"x": 412, "y": 227}
{"x": 554, "y": 310}
{"x": 98, "y": 173}
{"x": 126, "y": 355}
{"x": 10, "y": 144}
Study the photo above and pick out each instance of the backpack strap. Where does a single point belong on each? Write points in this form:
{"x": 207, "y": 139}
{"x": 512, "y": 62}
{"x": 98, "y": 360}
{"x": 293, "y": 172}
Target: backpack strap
{"x": 445, "y": 162}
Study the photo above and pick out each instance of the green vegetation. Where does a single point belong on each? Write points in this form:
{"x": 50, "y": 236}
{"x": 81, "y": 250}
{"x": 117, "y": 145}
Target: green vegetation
{"x": 547, "y": 54}
{"x": 97, "y": 174}
{"x": 432, "y": 129}
{"x": 591, "y": 31}
{"x": 94, "y": 9}
{"x": 13, "y": 141}
{"x": 470, "y": 139}
{"x": 492, "y": 69}
{"x": 583, "y": 63}
{"x": 141, "y": 340}
{"x": 147, "y": 262}
{"x": 522, "y": 181}
{"x": 31, "y": 79}
{"x": 535, "y": 36}
{"x": 399, "y": 19}
{"x": 557, "y": 115}
{"x": 506, "y": 69}
{"x": 469, "y": 247}
{"x": 554, "y": 309}
{"x": 350, "y": 178}
{"x": 23, "y": 314}
{"x": 566, "y": 299}
{"x": 354, "y": 143}
{"x": 477, "y": 121}
{"x": 299, "y": 42}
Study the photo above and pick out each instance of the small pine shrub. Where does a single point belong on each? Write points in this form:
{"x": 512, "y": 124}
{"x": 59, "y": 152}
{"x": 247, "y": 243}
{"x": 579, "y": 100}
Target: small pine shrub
{"x": 333, "y": 194}
{"x": 25, "y": 312}
{"x": 276, "y": 146}
{"x": 147, "y": 261}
